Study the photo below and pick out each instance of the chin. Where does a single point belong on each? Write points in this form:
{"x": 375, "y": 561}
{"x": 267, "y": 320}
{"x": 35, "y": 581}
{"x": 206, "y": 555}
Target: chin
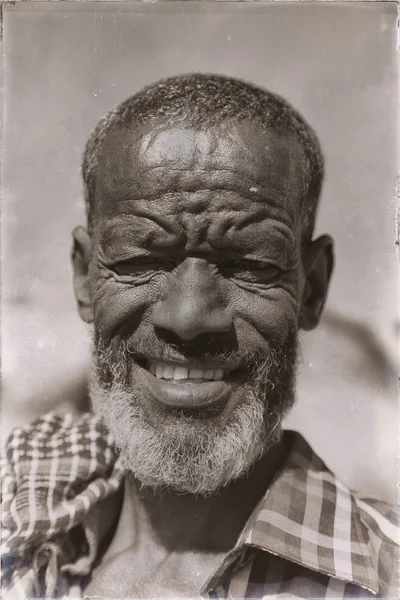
{"x": 196, "y": 454}
{"x": 197, "y": 438}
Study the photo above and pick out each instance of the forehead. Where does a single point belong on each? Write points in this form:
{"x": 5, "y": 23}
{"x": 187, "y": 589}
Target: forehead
{"x": 234, "y": 187}
{"x": 146, "y": 163}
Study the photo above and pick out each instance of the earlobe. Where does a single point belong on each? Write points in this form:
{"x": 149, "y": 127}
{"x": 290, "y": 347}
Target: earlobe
{"x": 80, "y": 256}
{"x": 318, "y": 262}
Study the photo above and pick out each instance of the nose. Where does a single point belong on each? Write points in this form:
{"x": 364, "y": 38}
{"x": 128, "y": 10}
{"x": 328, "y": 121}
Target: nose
{"x": 194, "y": 303}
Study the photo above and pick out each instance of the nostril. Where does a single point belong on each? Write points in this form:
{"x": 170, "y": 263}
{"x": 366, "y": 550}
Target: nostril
{"x": 171, "y": 338}
{"x": 179, "y": 334}
{"x": 209, "y": 344}
{"x": 188, "y": 320}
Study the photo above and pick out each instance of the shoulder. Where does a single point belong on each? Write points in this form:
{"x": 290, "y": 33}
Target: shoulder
{"x": 379, "y": 516}
{"x": 382, "y": 526}
{"x": 49, "y": 434}
{"x": 362, "y": 533}
{"x": 56, "y": 473}
{"x": 53, "y": 471}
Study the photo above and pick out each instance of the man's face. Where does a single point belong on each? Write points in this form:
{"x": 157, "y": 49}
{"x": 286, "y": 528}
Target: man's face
{"x": 196, "y": 282}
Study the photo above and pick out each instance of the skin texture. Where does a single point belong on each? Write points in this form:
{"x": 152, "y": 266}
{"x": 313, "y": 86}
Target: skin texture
{"x": 196, "y": 245}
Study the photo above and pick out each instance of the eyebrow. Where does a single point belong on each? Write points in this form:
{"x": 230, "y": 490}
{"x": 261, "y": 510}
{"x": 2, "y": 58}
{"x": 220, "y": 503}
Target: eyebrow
{"x": 134, "y": 239}
{"x": 129, "y": 235}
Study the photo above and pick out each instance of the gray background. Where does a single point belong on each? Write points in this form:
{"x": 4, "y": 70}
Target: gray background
{"x": 65, "y": 65}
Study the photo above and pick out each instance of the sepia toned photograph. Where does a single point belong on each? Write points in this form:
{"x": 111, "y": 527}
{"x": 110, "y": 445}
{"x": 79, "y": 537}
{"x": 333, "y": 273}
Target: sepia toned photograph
{"x": 200, "y": 289}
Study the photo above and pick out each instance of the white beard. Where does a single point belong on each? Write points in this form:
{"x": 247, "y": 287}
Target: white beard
{"x": 186, "y": 457}
{"x": 189, "y": 454}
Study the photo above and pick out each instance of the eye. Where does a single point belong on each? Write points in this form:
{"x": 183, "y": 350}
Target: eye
{"x": 250, "y": 270}
{"x": 142, "y": 265}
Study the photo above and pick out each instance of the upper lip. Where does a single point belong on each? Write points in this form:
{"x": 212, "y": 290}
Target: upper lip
{"x": 202, "y": 364}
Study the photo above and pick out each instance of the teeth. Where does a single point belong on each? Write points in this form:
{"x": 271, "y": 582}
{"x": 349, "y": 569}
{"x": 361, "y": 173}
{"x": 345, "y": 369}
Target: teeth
{"x": 208, "y": 374}
{"x": 180, "y": 373}
{"x": 196, "y": 374}
{"x": 167, "y": 371}
{"x": 219, "y": 374}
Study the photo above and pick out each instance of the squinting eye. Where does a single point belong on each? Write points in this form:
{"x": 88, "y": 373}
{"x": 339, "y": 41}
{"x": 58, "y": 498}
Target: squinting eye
{"x": 249, "y": 269}
{"x": 141, "y": 266}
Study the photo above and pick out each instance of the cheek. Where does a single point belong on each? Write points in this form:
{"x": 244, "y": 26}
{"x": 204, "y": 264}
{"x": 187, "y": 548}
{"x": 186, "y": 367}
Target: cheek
{"x": 121, "y": 306}
{"x": 274, "y": 315}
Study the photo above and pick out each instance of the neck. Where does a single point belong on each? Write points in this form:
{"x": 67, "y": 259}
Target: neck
{"x": 177, "y": 522}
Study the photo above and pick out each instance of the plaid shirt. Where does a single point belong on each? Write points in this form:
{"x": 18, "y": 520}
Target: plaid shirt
{"x": 309, "y": 537}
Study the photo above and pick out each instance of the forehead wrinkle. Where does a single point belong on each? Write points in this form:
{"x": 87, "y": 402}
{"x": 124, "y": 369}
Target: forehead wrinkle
{"x": 250, "y": 171}
{"x": 224, "y": 144}
{"x": 257, "y": 176}
{"x": 191, "y": 213}
{"x": 227, "y": 233}
{"x": 267, "y": 202}
{"x": 180, "y": 208}
{"x": 190, "y": 193}
{"x": 241, "y": 174}
{"x": 230, "y": 144}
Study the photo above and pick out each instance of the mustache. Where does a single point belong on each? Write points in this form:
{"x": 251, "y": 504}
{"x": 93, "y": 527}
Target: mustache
{"x": 228, "y": 360}
{"x": 116, "y": 354}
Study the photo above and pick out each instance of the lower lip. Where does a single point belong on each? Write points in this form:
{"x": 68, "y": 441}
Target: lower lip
{"x": 185, "y": 394}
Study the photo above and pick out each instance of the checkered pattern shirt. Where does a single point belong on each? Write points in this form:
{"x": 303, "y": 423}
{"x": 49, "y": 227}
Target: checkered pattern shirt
{"x": 309, "y": 537}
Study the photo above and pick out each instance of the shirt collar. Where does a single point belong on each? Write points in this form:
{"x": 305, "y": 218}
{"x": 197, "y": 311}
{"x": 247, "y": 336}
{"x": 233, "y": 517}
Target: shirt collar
{"x": 308, "y": 517}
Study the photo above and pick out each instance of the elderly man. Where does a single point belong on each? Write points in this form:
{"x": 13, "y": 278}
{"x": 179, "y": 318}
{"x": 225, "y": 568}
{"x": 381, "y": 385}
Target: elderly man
{"x": 196, "y": 271}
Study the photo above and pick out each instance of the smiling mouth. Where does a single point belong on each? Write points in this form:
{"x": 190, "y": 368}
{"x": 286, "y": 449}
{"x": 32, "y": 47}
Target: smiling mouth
{"x": 181, "y": 374}
{"x": 198, "y": 389}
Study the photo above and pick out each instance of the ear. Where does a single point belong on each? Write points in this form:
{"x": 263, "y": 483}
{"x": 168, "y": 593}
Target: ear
{"x": 318, "y": 262}
{"x": 81, "y": 254}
